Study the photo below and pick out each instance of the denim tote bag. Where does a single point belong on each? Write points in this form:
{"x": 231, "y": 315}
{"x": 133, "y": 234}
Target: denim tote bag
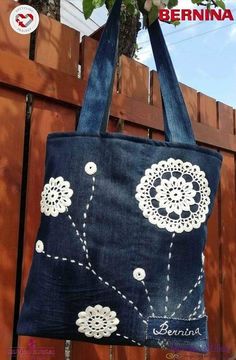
{"x": 118, "y": 256}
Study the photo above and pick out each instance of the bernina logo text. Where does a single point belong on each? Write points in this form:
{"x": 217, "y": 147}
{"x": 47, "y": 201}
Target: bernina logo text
{"x": 165, "y": 330}
{"x": 195, "y": 15}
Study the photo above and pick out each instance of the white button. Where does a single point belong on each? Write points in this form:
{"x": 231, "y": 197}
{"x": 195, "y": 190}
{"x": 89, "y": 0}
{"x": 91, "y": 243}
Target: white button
{"x": 90, "y": 168}
{"x": 139, "y": 274}
{"x": 39, "y": 247}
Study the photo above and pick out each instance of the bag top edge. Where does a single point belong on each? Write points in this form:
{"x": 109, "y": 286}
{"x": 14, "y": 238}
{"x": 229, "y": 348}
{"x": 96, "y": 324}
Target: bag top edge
{"x": 125, "y": 137}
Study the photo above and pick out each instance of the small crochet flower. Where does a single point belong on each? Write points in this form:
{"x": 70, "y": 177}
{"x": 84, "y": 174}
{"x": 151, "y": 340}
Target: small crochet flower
{"x": 55, "y": 197}
{"x": 97, "y": 321}
{"x": 160, "y": 4}
{"x": 175, "y": 195}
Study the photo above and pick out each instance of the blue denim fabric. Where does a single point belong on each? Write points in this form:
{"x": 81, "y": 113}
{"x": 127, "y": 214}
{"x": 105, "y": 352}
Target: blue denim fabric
{"x": 128, "y": 245}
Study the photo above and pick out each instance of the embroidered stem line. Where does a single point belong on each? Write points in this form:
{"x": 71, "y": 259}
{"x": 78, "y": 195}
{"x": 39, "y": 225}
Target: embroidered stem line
{"x": 168, "y": 274}
{"x": 127, "y": 338}
{"x": 148, "y": 297}
{"x": 195, "y": 310}
{"x": 202, "y": 314}
{"x": 85, "y": 215}
{"x": 83, "y": 241}
{"x": 106, "y": 283}
{"x": 198, "y": 282}
{"x": 85, "y": 249}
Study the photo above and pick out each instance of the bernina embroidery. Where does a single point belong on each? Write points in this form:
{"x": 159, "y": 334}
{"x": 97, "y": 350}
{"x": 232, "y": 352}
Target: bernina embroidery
{"x": 174, "y": 195}
{"x": 165, "y": 330}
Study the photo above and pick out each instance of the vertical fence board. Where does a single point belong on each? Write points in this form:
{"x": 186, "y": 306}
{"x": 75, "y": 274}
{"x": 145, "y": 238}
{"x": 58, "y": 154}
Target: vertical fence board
{"x": 208, "y": 116}
{"x": 190, "y": 97}
{"x": 86, "y": 351}
{"x": 134, "y": 79}
{"x": 88, "y": 51}
{"x": 10, "y": 40}
{"x": 57, "y": 46}
{"x": 228, "y": 236}
{"x": 12, "y": 124}
{"x": 46, "y": 117}
{"x": 156, "y": 100}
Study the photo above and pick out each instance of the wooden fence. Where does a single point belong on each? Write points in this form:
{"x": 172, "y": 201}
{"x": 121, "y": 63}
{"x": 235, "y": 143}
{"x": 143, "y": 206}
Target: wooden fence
{"x": 41, "y": 96}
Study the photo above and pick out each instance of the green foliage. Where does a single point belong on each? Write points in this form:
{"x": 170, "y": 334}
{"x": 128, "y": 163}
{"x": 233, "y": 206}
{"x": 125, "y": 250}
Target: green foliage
{"x": 221, "y": 4}
{"x": 172, "y": 3}
{"x": 90, "y": 5}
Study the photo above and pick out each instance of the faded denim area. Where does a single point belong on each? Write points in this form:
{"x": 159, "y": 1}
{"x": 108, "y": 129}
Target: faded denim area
{"x": 119, "y": 239}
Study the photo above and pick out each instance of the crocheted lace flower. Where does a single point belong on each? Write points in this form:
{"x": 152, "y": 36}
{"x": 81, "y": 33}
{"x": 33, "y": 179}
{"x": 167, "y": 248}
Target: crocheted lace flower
{"x": 55, "y": 197}
{"x": 174, "y": 195}
{"x": 97, "y": 321}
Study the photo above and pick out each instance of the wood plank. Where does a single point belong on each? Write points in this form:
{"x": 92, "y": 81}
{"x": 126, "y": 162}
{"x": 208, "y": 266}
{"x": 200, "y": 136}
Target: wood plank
{"x": 12, "y": 128}
{"x": 85, "y": 351}
{"x": 208, "y": 114}
{"x": 128, "y": 353}
{"x": 47, "y": 117}
{"x": 191, "y": 101}
{"x": 155, "y": 92}
{"x": 228, "y": 236}
{"x": 39, "y": 79}
{"x": 226, "y": 118}
{"x": 207, "y": 110}
{"x": 156, "y": 100}
{"x": 57, "y": 46}
{"x": 10, "y": 40}
{"x": 134, "y": 79}
{"x": 88, "y": 51}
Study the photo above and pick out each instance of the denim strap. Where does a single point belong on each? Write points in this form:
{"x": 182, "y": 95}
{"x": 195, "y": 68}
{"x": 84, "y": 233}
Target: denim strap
{"x": 97, "y": 100}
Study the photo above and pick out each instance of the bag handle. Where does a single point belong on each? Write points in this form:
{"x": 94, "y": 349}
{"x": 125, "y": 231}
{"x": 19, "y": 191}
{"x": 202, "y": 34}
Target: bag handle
{"x": 94, "y": 113}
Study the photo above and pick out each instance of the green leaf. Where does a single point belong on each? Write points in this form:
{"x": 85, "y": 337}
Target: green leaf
{"x": 88, "y": 7}
{"x": 172, "y": 3}
{"x": 98, "y": 3}
{"x": 220, "y": 3}
{"x": 176, "y": 22}
{"x": 152, "y": 15}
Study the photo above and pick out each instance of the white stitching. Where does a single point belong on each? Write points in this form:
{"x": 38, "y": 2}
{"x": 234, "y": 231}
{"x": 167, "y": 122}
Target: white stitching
{"x": 198, "y": 282}
{"x": 127, "y": 338}
{"x": 148, "y": 297}
{"x": 105, "y": 283}
{"x": 168, "y": 274}
{"x": 195, "y": 310}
